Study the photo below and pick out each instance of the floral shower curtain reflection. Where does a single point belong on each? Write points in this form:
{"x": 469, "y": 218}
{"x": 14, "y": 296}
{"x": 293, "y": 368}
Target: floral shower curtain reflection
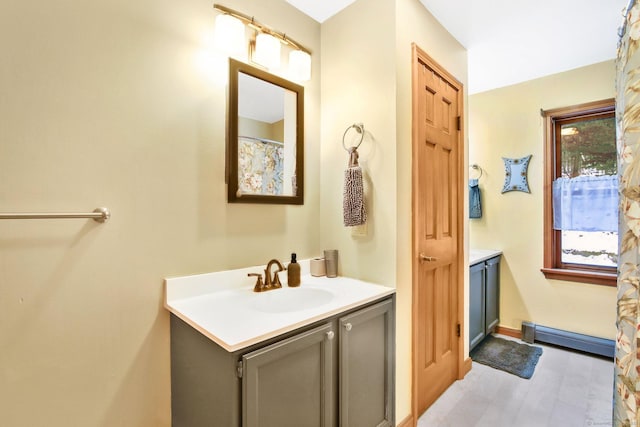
{"x": 627, "y": 363}
{"x": 260, "y": 166}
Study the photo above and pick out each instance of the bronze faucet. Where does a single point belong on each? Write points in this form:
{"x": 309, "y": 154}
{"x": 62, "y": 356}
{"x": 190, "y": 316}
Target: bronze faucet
{"x": 270, "y": 282}
{"x": 274, "y": 282}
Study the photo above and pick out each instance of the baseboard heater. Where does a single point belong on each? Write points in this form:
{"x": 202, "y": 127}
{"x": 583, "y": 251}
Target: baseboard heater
{"x": 532, "y": 332}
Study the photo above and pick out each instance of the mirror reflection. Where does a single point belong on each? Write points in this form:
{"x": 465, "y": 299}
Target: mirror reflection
{"x": 266, "y": 138}
{"x": 265, "y": 147}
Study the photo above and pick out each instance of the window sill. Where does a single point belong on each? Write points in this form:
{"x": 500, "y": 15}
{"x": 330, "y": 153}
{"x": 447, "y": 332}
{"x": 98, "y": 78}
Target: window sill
{"x": 592, "y": 277}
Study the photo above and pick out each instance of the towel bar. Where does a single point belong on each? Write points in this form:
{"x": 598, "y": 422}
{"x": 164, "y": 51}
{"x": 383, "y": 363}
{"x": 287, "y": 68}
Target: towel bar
{"x": 98, "y": 214}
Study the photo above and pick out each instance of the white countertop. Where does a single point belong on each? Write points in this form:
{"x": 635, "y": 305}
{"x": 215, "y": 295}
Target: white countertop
{"x": 223, "y": 306}
{"x": 479, "y": 255}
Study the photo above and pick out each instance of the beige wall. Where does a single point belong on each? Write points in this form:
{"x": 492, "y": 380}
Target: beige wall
{"x": 366, "y": 77}
{"x": 358, "y": 85}
{"x": 277, "y": 130}
{"x": 257, "y": 129}
{"x": 120, "y": 104}
{"x": 507, "y": 123}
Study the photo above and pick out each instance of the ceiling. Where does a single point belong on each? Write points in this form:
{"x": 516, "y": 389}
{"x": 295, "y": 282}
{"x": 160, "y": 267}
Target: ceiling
{"x": 259, "y": 100}
{"x": 513, "y": 41}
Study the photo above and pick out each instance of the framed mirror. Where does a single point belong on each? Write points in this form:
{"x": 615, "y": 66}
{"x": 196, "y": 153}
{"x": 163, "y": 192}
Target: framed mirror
{"x": 265, "y": 137}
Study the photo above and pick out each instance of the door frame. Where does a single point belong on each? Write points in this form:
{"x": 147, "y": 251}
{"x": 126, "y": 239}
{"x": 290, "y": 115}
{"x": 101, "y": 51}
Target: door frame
{"x": 418, "y": 55}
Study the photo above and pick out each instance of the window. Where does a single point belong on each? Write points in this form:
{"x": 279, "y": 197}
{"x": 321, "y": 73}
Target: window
{"x": 581, "y": 194}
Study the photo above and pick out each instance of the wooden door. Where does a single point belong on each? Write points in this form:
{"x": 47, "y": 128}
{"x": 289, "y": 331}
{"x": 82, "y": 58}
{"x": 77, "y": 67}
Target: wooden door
{"x": 437, "y": 229}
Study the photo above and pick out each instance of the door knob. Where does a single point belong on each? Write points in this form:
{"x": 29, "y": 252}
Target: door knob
{"x": 330, "y": 335}
{"x": 348, "y": 326}
{"x": 424, "y": 258}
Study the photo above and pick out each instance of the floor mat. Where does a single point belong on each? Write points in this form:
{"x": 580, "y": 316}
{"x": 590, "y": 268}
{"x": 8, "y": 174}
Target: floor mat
{"x": 506, "y": 355}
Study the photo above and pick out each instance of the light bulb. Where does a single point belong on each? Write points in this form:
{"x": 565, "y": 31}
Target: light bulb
{"x": 267, "y": 52}
{"x": 300, "y": 65}
{"x": 229, "y": 36}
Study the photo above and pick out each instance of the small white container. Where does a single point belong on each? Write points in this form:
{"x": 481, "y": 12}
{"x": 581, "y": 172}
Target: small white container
{"x": 317, "y": 267}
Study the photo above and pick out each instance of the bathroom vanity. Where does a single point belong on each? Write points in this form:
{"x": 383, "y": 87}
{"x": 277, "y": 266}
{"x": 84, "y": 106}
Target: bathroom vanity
{"x": 318, "y": 355}
{"x": 484, "y": 294}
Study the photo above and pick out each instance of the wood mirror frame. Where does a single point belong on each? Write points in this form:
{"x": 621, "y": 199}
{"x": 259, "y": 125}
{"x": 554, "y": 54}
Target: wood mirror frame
{"x": 290, "y": 89}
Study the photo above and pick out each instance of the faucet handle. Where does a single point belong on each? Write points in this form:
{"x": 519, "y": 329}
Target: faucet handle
{"x": 259, "y": 286}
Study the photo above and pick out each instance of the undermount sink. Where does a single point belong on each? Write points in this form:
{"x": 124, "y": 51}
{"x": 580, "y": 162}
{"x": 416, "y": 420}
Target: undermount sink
{"x": 291, "y": 299}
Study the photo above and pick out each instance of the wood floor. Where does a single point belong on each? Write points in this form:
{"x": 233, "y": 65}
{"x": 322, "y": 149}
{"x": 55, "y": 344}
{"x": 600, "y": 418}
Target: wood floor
{"x": 567, "y": 389}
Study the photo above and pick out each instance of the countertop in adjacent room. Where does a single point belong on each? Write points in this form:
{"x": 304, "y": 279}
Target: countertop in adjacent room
{"x": 479, "y": 255}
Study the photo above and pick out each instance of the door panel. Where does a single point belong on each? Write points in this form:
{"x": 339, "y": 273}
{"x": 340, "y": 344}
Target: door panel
{"x": 446, "y": 193}
{"x": 427, "y": 202}
{"x": 476, "y": 304}
{"x": 443, "y": 323}
{"x": 290, "y": 383}
{"x": 366, "y": 367}
{"x": 492, "y": 285}
{"x": 447, "y": 116}
{"x": 427, "y": 311}
{"x": 437, "y": 219}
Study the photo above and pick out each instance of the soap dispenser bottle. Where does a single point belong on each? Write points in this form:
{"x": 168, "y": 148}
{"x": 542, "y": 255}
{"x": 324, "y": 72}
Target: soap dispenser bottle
{"x": 293, "y": 272}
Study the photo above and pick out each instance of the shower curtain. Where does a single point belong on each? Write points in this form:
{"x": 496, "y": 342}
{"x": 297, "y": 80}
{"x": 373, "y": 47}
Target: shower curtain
{"x": 627, "y": 363}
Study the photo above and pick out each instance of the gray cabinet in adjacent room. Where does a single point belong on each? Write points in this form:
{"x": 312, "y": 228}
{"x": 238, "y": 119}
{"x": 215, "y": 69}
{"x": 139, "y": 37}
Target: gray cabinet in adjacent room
{"x": 484, "y": 299}
{"x": 335, "y": 372}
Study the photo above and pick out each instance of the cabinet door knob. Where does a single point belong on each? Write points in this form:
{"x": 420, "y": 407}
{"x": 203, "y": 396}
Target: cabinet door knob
{"x": 423, "y": 258}
{"x": 330, "y": 335}
{"x": 348, "y": 326}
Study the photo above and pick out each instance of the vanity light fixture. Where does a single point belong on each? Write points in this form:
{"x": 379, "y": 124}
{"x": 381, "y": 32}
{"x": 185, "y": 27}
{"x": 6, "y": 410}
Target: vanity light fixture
{"x": 229, "y": 36}
{"x": 265, "y": 49}
{"x": 300, "y": 65}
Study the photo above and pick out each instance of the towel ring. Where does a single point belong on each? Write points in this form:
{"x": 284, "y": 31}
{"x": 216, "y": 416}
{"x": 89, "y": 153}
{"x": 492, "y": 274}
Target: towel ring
{"x": 477, "y": 168}
{"x": 359, "y": 127}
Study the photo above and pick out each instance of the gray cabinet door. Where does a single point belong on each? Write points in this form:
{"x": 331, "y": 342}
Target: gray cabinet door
{"x": 205, "y": 389}
{"x": 476, "y": 304}
{"x": 367, "y": 367}
{"x": 291, "y": 383}
{"x": 492, "y": 291}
